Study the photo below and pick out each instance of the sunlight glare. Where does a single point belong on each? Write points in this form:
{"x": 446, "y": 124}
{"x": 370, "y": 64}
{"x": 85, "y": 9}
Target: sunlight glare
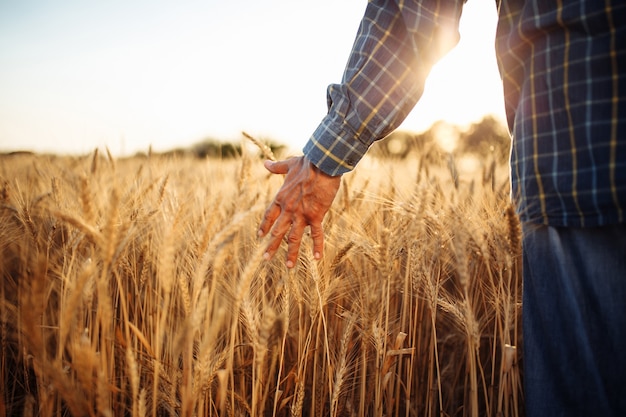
{"x": 465, "y": 85}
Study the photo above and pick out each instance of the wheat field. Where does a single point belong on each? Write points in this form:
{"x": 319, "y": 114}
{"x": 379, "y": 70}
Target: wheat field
{"x": 137, "y": 287}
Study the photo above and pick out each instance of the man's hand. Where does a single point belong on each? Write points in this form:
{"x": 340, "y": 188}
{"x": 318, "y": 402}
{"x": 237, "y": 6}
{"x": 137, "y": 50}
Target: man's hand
{"x": 303, "y": 200}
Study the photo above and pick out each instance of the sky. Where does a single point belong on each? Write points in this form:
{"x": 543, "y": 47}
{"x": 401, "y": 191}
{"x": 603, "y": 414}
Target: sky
{"x": 76, "y": 75}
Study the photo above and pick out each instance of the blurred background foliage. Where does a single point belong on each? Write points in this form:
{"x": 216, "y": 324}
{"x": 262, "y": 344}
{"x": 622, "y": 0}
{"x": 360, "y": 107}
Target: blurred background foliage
{"x": 486, "y": 139}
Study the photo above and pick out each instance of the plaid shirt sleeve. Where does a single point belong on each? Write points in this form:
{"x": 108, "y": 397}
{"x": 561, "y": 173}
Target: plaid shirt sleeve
{"x": 563, "y": 67}
{"x": 396, "y": 45}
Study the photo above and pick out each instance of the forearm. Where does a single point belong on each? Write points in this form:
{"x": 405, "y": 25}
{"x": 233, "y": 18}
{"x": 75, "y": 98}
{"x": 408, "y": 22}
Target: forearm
{"x": 393, "y": 52}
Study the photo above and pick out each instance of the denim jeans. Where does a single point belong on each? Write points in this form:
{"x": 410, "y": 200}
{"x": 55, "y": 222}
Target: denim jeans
{"x": 574, "y": 321}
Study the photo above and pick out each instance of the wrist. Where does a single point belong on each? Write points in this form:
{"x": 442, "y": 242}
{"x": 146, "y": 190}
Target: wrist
{"x": 334, "y": 149}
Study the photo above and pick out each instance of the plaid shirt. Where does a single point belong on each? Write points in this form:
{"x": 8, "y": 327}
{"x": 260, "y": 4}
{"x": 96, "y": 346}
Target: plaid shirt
{"x": 563, "y": 68}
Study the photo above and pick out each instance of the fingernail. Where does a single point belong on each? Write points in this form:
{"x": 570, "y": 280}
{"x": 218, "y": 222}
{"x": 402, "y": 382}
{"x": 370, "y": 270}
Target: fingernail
{"x": 317, "y": 255}
{"x": 267, "y": 256}
{"x": 259, "y": 233}
{"x": 289, "y": 264}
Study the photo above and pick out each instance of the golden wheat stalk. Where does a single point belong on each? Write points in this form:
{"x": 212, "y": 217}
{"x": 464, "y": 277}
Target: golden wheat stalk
{"x": 265, "y": 150}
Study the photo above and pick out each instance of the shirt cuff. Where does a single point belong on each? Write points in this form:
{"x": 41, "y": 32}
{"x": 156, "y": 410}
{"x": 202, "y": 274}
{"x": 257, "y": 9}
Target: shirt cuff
{"x": 333, "y": 148}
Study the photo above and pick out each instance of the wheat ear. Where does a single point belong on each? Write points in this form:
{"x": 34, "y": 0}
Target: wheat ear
{"x": 265, "y": 150}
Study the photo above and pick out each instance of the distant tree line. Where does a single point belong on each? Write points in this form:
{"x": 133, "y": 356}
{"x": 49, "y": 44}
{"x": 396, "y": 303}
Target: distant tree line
{"x": 213, "y": 148}
{"x": 487, "y": 139}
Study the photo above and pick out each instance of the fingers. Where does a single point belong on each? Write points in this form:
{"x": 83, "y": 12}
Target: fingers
{"x": 279, "y": 230}
{"x": 294, "y": 241}
{"x": 317, "y": 234}
{"x": 279, "y": 224}
{"x": 293, "y": 246}
{"x": 270, "y": 216}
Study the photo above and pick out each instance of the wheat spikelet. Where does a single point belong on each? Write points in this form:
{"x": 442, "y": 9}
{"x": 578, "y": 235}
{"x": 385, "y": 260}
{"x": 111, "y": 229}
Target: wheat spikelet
{"x": 265, "y": 150}
{"x": 110, "y": 158}
{"x": 201, "y": 306}
{"x": 469, "y": 321}
{"x": 453, "y": 170}
{"x": 270, "y": 329}
{"x": 345, "y": 190}
{"x": 209, "y": 360}
{"x": 111, "y": 227}
{"x": 145, "y": 271}
{"x": 249, "y": 318}
{"x": 76, "y": 295}
{"x": 341, "y": 369}
{"x": 166, "y": 268}
{"x": 162, "y": 189}
{"x": 33, "y": 298}
{"x": 459, "y": 243}
{"x": 248, "y": 273}
{"x": 298, "y": 399}
{"x": 341, "y": 255}
{"x": 240, "y": 295}
{"x": 84, "y": 360}
{"x": 94, "y": 162}
{"x": 142, "y": 408}
{"x": 56, "y": 193}
{"x": 23, "y": 213}
{"x": 132, "y": 369}
{"x": 201, "y": 275}
{"x": 85, "y": 198}
{"x": 183, "y": 288}
{"x": 268, "y": 336}
{"x": 243, "y": 175}
{"x": 141, "y": 196}
{"x": 224, "y": 235}
{"x": 514, "y": 230}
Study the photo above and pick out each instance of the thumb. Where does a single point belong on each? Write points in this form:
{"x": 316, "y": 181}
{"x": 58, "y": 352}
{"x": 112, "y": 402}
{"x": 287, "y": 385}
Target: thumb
{"x": 276, "y": 167}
